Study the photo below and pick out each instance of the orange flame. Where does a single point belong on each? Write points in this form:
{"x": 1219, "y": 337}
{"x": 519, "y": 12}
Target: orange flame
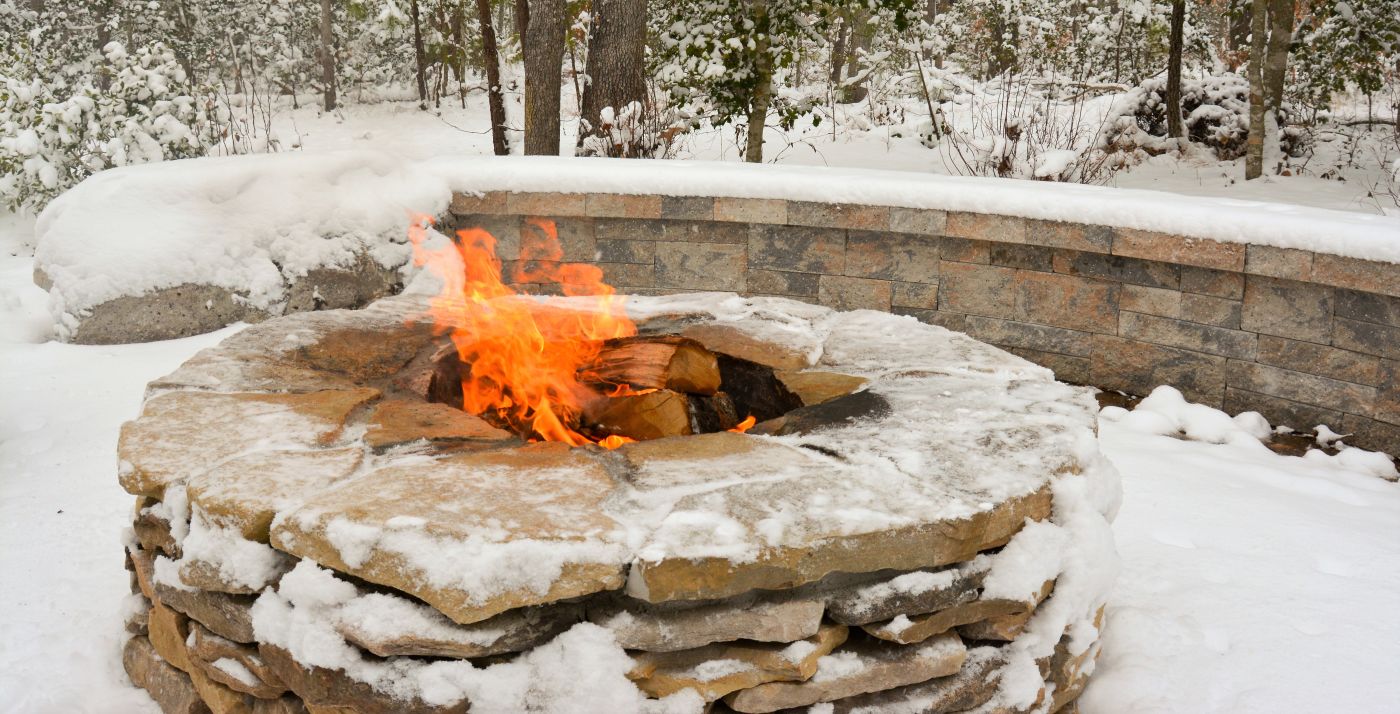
{"x": 744, "y": 425}
{"x": 524, "y": 357}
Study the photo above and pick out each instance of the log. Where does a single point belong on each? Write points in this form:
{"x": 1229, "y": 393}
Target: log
{"x": 668, "y": 362}
{"x": 713, "y": 413}
{"x": 653, "y": 415}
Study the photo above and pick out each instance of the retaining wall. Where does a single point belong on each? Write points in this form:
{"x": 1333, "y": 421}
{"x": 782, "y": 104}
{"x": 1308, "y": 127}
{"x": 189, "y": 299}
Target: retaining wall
{"x": 1304, "y": 337}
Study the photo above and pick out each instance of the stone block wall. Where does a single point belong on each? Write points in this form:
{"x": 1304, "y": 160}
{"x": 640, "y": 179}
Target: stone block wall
{"x": 1304, "y": 338}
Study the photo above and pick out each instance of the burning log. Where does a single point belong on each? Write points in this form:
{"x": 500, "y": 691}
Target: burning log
{"x": 650, "y": 415}
{"x": 668, "y": 362}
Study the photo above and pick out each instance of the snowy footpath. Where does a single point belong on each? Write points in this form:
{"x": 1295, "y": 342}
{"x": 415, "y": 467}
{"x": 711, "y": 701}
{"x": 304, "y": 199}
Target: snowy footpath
{"x": 1251, "y": 582}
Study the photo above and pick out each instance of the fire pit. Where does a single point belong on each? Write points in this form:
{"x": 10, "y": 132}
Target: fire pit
{"x": 508, "y": 503}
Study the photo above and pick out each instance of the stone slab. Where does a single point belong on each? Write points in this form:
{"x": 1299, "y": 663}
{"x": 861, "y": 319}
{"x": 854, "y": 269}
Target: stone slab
{"x": 246, "y": 492}
{"x": 638, "y": 627}
{"x": 715, "y": 670}
{"x": 913, "y": 593}
{"x": 172, "y": 689}
{"x": 401, "y": 421}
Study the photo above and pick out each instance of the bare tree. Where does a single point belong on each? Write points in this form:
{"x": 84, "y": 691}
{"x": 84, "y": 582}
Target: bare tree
{"x": 491, "y": 56}
{"x": 544, "y": 56}
{"x": 327, "y": 56}
{"x": 1258, "y": 40}
{"x": 1271, "y": 35}
{"x": 1178, "y": 20}
{"x": 1276, "y": 63}
{"x": 862, "y": 33}
{"x": 763, "y": 83}
{"x": 419, "y": 56}
{"x": 616, "y": 56}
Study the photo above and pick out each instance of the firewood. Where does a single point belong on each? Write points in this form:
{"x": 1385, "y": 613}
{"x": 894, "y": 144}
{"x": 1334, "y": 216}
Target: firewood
{"x": 653, "y": 415}
{"x": 667, "y": 362}
{"x": 713, "y": 413}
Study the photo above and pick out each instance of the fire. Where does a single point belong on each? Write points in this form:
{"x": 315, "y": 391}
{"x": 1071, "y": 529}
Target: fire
{"x": 524, "y": 358}
{"x": 745, "y": 425}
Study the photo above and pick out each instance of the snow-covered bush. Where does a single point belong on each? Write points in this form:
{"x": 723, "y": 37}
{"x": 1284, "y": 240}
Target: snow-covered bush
{"x": 1215, "y": 113}
{"x": 54, "y": 132}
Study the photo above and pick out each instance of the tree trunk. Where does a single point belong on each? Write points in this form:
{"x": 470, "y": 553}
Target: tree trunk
{"x": 544, "y": 57}
{"x": 1178, "y": 20}
{"x": 491, "y": 55}
{"x": 861, "y": 35}
{"x": 1254, "y": 146}
{"x": 838, "y": 51}
{"x": 616, "y": 56}
{"x": 327, "y": 57}
{"x": 419, "y": 57}
{"x": 522, "y": 19}
{"x": 1276, "y": 63}
{"x": 763, "y": 83}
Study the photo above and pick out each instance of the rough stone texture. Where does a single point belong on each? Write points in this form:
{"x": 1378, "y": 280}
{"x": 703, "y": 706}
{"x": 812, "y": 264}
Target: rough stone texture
{"x": 985, "y": 226}
{"x": 674, "y": 231}
{"x": 1162, "y": 302}
{"x": 342, "y": 287}
{"x": 627, "y": 251}
{"x": 171, "y": 441}
{"x": 879, "y": 667}
{"x": 1072, "y": 236}
{"x": 1023, "y": 257}
{"x": 244, "y": 493}
{"x": 815, "y": 387}
{"x": 801, "y": 249}
{"x": 1066, "y": 301}
{"x": 1280, "y": 411}
{"x": 1300, "y": 387}
{"x": 1218, "y": 283}
{"x": 842, "y": 293}
{"x": 917, "y": 295}
{"x": 778, "y": 282}
{"x": 1367, "y": 337}
{"x": 512, "y": 631}
{"x": 1356, "y": 274}
{"x": 613, "y": 205}
{"x": 908, "y": 594}
{"x": 920, "y": 221}
{"x": 751, "y": 210}
{"x": 1138, "y": 367}
{"x": 1278, "y": 262}
{"x": 976, "y": 289}
{"x": 670, "y": 630}
{"x": 838, "y": 215}
{"x": 401, "y": 421}
{"x": 567, "y": 490}
{"x": 688, "y": 207}
{"x": 171, "y": 688}
{"x": 206, "y": 648}
{"x": 909, "y": 630}
{"x": 739, "y": 342}
{"x": 1209, "y": 310}
{"x": 1320, "y": 360}
{"x": 660, "y": 674}
{"x": 1177, "y": 249}
{"x": 1288, "y": 308}
{"x": 1188, "y": 335}
{"x": 1006, "y": 333}
{"x": 892, "y": 256}
{"x": 226, "y": 615}
{"x": 1075, "y": 370}
{"x": 547, "y": 204}
{"x": 164, "y": 314}
{"x": 972, "y": 686}
{"x": 700, "y": 266}
{"x": 965, "y": 250}
{"x": 321, "y": 687}
{"x": 1117, "y": 268}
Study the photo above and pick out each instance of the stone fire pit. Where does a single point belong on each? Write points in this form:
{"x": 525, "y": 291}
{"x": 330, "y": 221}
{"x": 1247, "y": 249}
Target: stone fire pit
{"x": 315, "y": 531}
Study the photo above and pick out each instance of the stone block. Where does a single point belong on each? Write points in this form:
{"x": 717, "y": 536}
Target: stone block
{"x": 1371, "y": 434}
{"x": 964, "y": 250}
{"x": 1118, "y": 269}
{"x": 627, "y": 251}
{"x": 986, "y": 226}
{"x": 798, "y": 248}
{"x": 771, "y": 211}
{"x": 777, "y": 282}
{"x": 843, "y": 293}
{"x": 1368, "y": 307}
{"x": 331, "y": 690}
{"x": 666, "y": 229}
{"x": 1075, "y": 370}
{"x": 1218, "y": 283}
{"x": 915, "y": 593}
{"x": 655, "y": 630}
{"x": 1006, "y": 333}
{"x": 921, "y": 295}
{"x": 661, "y": 674}
{"x": 1320, "y": 360}
{"x": 246, "y": 492}
{"x": 629, "y": 275}
{"x": 616, "y": 205}
{"x": 892, "y": 256}
{"x": 576, "y": 237}
{"x": 814, "y": 387}
{"x": 1162, "y": 302}
{"x": 955, "y": 321}
{"x": 1067, "y": 301}
{"x": 1288, "y": 263}
{"x": 1387, "y": 405}
{"x": 1280, "y": 411}
{"x": 1023, "y": 257}
{"x": 547, "y": 204}
{"x": 388, "y": 625}
{"x": 700, "y": 266}
{"x": 164, "y": 314}
{"x": 393, "y": 422}
{"x": 1071, "y": 236}
{"x": 488, "y": 202}
{"x": 1181, "y": 250}
{"x": 694, "y": 208}
{"x": 966, "y": 691}
{"x": 1210, "y": 310}
{"x": 1288, "y": 308}
{"x": 976, "y": 289}
{"x": 504, "y": 228}
{"x": 1139, "y": 367}
{"x": 1356, "y": 274}
{"x": 1367, "y": 337}
{"x": 171, "y": 689}
{"x": 1302, "y": 387}
{"x": 919, "y": 221}
{"x": 1188, "y": 335}
{"x": 838, "y": 215}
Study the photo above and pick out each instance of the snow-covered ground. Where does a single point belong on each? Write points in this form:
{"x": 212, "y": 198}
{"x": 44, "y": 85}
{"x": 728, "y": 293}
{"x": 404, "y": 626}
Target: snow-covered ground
{"x": 1252, "y": 582}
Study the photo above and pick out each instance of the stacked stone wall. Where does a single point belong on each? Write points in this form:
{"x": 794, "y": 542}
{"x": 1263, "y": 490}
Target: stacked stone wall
{"x": 1303, "y": 337}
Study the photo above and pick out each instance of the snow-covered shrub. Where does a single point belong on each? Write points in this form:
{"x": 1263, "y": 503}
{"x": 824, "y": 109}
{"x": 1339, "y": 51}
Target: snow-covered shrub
{"x": 56, "y": 131}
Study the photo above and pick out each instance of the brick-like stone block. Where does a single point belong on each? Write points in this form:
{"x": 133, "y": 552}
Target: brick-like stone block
{"x": 1367, "y": 337}
{"x": 576, "y": 237}
{"x": 629, "y": 275}
{"x": 751, "y": 210}
{"x": 504, "y": 228}
{"x": 1371, "y": 434}
{"x": 1008, "y": 333}
{"x": 986, "y": 226}
{"x": 922, "y": 295}
{"x": 1067, "y": 301}
{"x": 920, "y": 221}
{"x": 964, "y": 250}
{"x": 1211, "y": 310}
{"x": 1320, "y": 360}
{"x": 1075, "y": 370}
{"x": 1288, "y": 263}
{"x": 694, "y": 208}
{"x": 777, "y": 282}
{"x": 547, "y": 204}
{"x": 976, "y": 289}
{"x": 1118, "y": 269}
{"x": 1288, "y": 308}
{"x": 892, "y": 256}
{"x": 1219, "y": 283}
{"x": 666, "y": 229}
{"x": 617, "y": 205}
{"x": 809, "y": 299}
{"x": 797, "y": 248}
{"x": 1280, "y": 411}
{"x": 843, "y": 293}
{"x": 627, "y": 251}
{"x": 1368, "y": 307}
{"x": 955, "y": 321}
{"x": 1387, "y": 406}
{"x": 487, "y": 202}
{"x": 1073, "y": 236}
{"x": 1139, "y": 367}
{"x": 1301, "y": 387}
{"x": 1188, "y": 335}
{"x": 854, "y": 216}
{"x": 1023, "y": 257}
{"x": 1162, "y": 302}
{"x": 700, "y": 266}
{"x": 1356, "y": 274}
{"x": 1150, "y": 245}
